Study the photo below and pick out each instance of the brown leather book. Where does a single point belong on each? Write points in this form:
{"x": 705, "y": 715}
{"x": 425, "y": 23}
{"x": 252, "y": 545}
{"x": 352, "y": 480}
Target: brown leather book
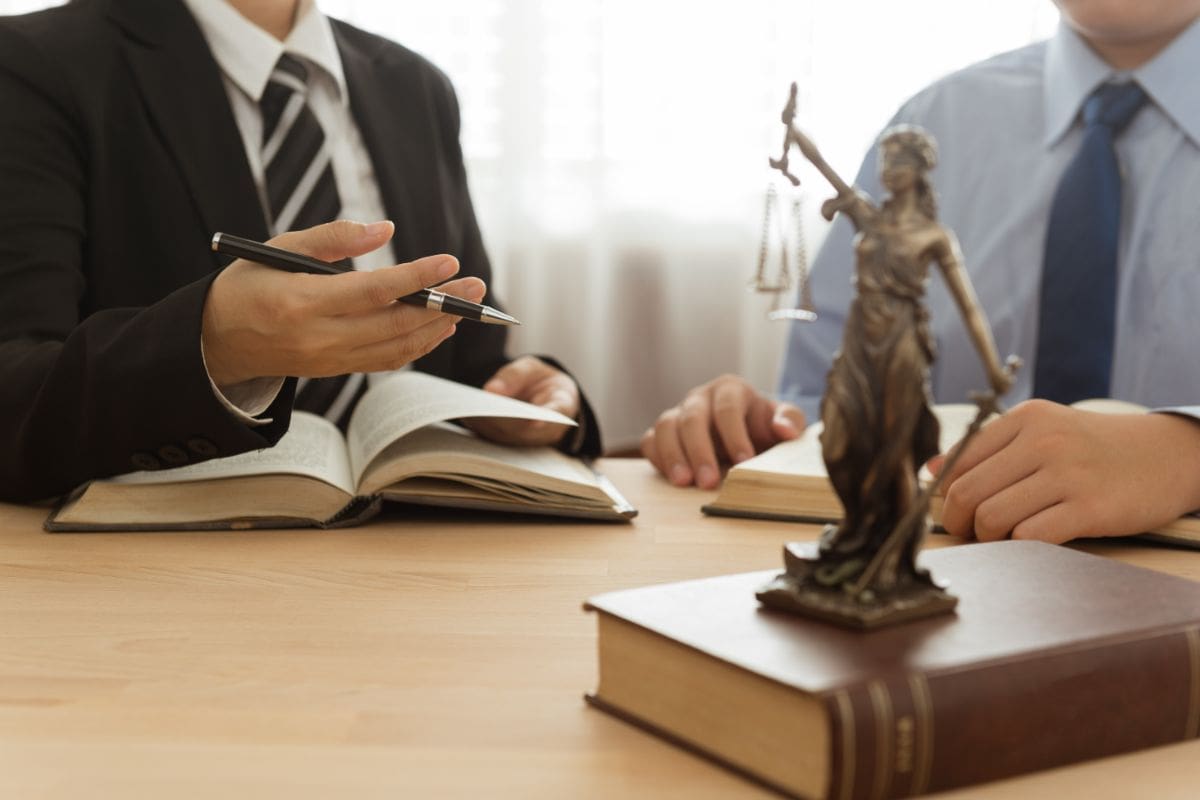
{"x": 1054, "y": 656}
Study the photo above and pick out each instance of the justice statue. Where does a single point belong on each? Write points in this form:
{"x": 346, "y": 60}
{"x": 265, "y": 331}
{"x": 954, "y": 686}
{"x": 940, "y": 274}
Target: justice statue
{"x": 879, "y": 427}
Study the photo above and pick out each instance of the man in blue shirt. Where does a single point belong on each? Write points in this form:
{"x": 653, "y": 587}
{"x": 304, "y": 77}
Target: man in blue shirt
{"x": 1007, "y": 129}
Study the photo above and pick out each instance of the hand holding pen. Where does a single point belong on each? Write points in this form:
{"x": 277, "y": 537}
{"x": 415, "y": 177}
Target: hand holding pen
{"x": 263, "y": 322}
{"x": 288, "y": 261}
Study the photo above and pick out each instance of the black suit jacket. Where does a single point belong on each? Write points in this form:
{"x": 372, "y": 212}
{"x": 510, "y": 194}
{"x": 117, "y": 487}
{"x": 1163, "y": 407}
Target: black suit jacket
{"x": 119, "y": 158}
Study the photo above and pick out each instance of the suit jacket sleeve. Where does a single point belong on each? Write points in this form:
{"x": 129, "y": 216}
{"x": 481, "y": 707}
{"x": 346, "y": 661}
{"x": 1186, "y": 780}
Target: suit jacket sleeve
{"x": 86, "y": 392}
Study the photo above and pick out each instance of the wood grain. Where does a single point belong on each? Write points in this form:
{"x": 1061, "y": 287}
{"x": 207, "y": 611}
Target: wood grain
{"x": 424, "y": 655}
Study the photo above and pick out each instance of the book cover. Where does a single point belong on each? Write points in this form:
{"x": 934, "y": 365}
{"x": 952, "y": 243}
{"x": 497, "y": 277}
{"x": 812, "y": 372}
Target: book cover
{"x": 1054, "y": 656}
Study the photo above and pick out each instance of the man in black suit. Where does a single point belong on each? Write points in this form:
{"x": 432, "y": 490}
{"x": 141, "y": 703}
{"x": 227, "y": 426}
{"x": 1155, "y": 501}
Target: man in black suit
{"x": 122, "y": 150}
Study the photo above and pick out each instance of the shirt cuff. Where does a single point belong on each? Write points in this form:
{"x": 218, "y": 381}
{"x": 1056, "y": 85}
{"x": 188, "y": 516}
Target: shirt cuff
{"x": 248, "y": 399}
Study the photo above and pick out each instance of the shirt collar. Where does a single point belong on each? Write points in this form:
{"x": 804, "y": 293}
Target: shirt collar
{"x": 1073, "y": 71}
{"x": 1170, "y": 80}
{"x": 247, "y": 54}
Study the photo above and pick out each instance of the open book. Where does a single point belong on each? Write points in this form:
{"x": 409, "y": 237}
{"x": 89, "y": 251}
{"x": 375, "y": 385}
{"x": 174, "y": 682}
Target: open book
{"x": 789, "y": 481}
{"x": 399, "y": 446}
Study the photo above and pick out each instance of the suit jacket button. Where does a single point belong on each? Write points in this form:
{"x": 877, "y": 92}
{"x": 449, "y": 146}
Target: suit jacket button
{"x": 173, "y": 455}
{"x": 144, "y": 461}
{"x": 202, "y": 447}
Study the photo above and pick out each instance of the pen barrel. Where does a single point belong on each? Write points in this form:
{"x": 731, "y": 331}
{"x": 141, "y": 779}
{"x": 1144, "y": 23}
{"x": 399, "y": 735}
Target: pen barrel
{"x": 270, "y": 256}
{"x": 448, "y": 304}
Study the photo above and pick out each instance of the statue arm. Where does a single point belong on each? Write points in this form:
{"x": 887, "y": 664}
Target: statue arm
{"x": 853, "y": 203}
{"x": 950, "y": 261}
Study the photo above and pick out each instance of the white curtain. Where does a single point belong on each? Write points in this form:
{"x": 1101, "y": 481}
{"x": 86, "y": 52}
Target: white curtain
{"x": 618, "y": 158}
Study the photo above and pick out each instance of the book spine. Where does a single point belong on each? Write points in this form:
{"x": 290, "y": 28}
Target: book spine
{"x": 917, "y": 733}
{"x": 358, "y": 510}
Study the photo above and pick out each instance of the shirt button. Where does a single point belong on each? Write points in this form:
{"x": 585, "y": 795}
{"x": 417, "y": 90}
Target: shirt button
{"x": 202, "y": 447}
{"x": 173, "y": 455}
{"x": 144, "y": 461}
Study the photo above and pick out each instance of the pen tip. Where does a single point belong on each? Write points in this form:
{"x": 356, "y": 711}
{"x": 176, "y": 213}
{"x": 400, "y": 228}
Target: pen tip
{"x": 216, "y": 241}
{"x": 497, "y": 317}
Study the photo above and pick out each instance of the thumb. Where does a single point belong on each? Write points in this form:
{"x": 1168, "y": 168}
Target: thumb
{"x": 788, "y": 421}
{"x": 334, "y": 241}
{"x": 515, "y": 377}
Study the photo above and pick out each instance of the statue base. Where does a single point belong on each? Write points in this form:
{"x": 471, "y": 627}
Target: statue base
{"x": 799, "y": 591}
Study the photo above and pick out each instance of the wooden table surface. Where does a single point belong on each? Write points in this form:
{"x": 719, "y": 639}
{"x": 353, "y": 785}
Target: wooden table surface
{"x": 437, "y": 656}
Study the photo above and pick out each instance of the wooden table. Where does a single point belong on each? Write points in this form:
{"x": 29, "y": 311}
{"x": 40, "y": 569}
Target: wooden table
{"x": 439, "y": 656}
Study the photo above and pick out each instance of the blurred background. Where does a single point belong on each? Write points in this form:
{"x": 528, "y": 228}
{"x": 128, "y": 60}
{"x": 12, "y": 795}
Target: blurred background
{"x": 617, "y": 152}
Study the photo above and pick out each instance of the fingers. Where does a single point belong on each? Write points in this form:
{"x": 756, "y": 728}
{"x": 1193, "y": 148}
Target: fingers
{"x": 556, "y": 396}
{"x": 1055, "y": 524}
{"x": 695, "y": 436}
{"x": 662, "y": 446}
{"x": 788, "y": 422}
{"x": 356, "y": 292}
{"x": 397, "y": 319}
{"x": 396, "y": 352}
{"x": 336, "y": 240}
{"x": 724, "y": 416}
{"x": 991, "y": 438}
{"x": 472, "y": 289}
{"x": 515, "y": 377}
{"x": 1018, "y": 469}
{"x": 731, "y": 407}
{"x": 1048, "y": 472}
{"x": 985, "y": 481}
{"x": 530, "y": 379}
{"x": 1000, "y": 515}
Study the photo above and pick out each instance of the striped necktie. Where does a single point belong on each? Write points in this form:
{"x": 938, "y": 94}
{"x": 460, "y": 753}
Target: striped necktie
{"x": 1078, "y": 307}
{"x": 301, "y": 192}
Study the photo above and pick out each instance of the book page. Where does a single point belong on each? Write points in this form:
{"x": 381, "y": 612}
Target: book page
{"x": 444, "y": 451}
{"x": 313, "y": 446}
{"x": 801, "y": 456}
{"x": 1109, "y": 405}
{"x": 411, "y": 400}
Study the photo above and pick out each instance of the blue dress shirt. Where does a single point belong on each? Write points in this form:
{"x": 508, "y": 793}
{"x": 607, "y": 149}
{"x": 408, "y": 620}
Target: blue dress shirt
{"x": 1006, "y": 129}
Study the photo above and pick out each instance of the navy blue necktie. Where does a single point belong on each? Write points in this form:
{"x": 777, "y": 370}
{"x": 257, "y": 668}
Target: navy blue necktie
{"x": 1077, "y": 316}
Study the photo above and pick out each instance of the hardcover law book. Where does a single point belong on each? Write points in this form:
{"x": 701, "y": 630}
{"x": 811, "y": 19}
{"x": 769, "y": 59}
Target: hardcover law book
{"x": 398, "y": 446}
{"x": 1054, "y": 656}
{"x": 789, "y": 481}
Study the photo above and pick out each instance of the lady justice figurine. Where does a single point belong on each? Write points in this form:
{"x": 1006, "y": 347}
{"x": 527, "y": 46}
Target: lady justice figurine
{"x": 879, "y": 428}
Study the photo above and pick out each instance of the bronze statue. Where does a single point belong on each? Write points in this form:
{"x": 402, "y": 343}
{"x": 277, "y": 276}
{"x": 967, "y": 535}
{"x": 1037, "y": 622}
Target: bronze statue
{"x": 879, "y": 428}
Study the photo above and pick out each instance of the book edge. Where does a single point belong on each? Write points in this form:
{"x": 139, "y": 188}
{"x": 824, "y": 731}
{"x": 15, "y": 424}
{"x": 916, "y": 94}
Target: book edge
{"x": 630, "y": 718}
{"x": 358, "y": 510}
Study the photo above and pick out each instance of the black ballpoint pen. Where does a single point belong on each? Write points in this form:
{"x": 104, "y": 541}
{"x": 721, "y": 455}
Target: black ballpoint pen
{"x": 270, "y": 256}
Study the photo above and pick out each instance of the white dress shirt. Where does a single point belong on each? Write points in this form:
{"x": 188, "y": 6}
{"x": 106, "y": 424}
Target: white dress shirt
{"x": 246, "y": 56}
{"x": 1006, "y": 129}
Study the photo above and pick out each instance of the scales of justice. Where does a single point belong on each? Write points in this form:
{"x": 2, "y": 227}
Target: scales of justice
{"x": 878, "y": 423}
